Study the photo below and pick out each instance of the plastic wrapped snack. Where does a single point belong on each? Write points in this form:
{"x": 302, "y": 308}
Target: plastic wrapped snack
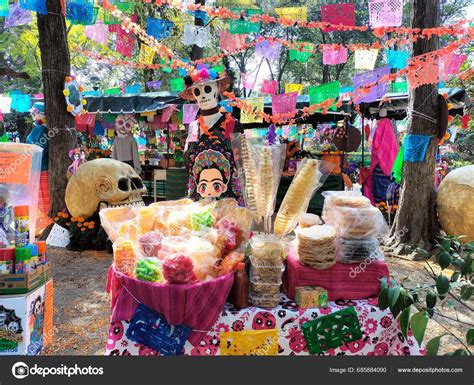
{"x": 260, "y": 287}
{"x": 336, "y": 199}
{"x": 111, "y": 219}
{"x": 149, "y": 269}
{"x": 150, "y": 243}
{"x": 316, "y": 247}
{"x": 125, "y": 257}
{"x": 266, "y": 247}
{"x": 230, "y": 262}
{"x": 309, "y": 178}
{"x": 359, "y": 222}
{"x": 179, "y": 269}
{"x": 266, "y": 270}
{"x": 308, "y": 220}
{"x": 264, "y": 300}
{"x": 358, "y": 250}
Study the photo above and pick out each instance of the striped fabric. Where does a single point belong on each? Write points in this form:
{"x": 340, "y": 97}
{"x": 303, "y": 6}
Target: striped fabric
{"x": 197, "y": 305}
{"x": 341, "y": 281}
{"x": 42, "y": 219}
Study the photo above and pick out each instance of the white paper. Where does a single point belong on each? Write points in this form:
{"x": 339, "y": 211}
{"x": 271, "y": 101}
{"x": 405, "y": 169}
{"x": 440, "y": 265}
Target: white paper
{"x": 58, "y": 237}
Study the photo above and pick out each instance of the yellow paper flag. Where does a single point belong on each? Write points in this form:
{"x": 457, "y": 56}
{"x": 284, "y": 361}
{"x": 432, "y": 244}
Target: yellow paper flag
{"x": 293, "y": 88}
{"x": 293, "y": 13}
{"x": 251, "y": 116}
{"x": 147, "y": 54}
{"x": 250, "y": 343}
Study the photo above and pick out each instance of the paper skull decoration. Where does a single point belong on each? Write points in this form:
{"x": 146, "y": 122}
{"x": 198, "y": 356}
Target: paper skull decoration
{"x": 124, "y": 123}
{"x": 103, "y": 183}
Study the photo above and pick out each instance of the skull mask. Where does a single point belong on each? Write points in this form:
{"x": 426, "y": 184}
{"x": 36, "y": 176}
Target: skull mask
{"x": 206, "y": 95}
{"x": 103, "y": 183}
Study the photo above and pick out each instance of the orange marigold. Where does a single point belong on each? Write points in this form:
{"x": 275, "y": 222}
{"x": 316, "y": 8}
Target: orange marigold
{"x": 80, "y": 219}
{"x": 79, "y": 225}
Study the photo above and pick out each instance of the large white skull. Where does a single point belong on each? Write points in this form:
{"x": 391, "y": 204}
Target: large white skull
{"x": 206, "y": 95}
{"x": 103, "y": 183}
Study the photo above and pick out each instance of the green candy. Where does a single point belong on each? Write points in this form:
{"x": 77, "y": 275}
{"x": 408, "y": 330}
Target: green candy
{"x": 148, "y": 270}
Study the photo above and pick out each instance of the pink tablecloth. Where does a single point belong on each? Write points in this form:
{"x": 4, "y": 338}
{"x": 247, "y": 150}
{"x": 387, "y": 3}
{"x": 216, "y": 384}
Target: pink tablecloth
{"x": 197, "y": 305}
{"x": 341, "y": 281}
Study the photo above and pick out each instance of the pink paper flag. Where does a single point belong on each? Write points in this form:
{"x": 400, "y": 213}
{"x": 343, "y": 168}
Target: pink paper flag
{"x": 338, "y": 14}
{"x": 38, "y": 96}
{"x": 284, "y": 103}
{"x": 269, "y": 87}
{"x": 231, "y": 43}
{"x": 167, "y": 112}
{"x": 385, "y": 13}
{"x": 97, "y": 32}
{"x": 173, "y": 127}
{"x": 125, "y": 43}
{"x": 450, "y": 64}
{"x": 189, "y": 113}
{"x": 248, "y": 81}
{"x": 333, "y": 55}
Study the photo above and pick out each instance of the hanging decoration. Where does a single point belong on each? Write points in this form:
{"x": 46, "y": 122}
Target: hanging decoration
{"x": 84, "y": 122}
{"x": 267, "y": 49}
{"x": 72, "y": 92}
{"x": 343, "y": 14}
{"x": 250, "y": 343}
{"x": 423, "y": 69}
{"x": 290, "y": 87}
{"x": 189, "y": 113}
{"x": 332, "y": 330}
{"x": 414, "y": 147}
{"x": 385, "y": 13}
{"x": 248, "y": 81}
{"x": 146, "y": 55}
{"x": 81, "y": 12}
{"x": 243, "y": 24}
{"x": 365, "y": 59}
{"x": 125, "y": 7}
{"x": 293, "y": 13}
{"x": 125, "y": 43}
{"x": 284, "y": 103}
{"x": 38, "y": 6}
{"x": 269, "y": 87}
{"x": 400, "y": 87}
{"x": 177, "y": 85}
{"x": 113, "y": 91}
{"x": 4, "y": 8}
{"x": 167, "y": 112}
{"x": 154, "y": 84}
{"x": 251, "y": 113}
{"x": 133, "y": 89}
{"x": 318, "y": 94}
{"x": 449, "y": 65}
{"x": 397, "y": 59}
{"x": 197, "y": 35}
{"x": 333, "y": 55}
{"x": 19, "y": 102}
{"x": 159, "y": 28}
{"x": 231, "y": 43}
{"x": 369, "y": 86}
{"x": 97, "y": 32}
{"x": 5, "y": 104}
{"x": 18, "y": 16}
{"x": 302, "y": 53}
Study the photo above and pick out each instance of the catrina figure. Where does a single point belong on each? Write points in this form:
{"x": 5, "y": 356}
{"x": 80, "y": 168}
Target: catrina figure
{"x": 208, "y": 152}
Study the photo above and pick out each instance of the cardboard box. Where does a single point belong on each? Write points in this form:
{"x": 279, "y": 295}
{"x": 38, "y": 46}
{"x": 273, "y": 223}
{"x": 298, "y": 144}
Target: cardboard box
{"x": 25, "y": 321}
{"x": 24, "y": 283}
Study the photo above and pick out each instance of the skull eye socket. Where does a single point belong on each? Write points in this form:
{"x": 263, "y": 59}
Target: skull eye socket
{"x": 197, "y": 92}
{"x": 136, "y": 183}
{"x": 123, "y": 184}
{"x": 207, "y": 89}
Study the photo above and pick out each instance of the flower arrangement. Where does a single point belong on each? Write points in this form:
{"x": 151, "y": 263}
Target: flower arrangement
{"x": 97, "y": 153}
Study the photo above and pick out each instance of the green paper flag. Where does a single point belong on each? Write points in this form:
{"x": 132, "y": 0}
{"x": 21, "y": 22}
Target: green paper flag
{"x": 125, "y": 7}
{"x": 242, "y": 26}
{"x": 318, "y": 94}
{"x": 113, "y": 91}
{"x": 302, "y": 54}
{"x": 400, "y": 87}
{"x": 218, "y": 69}
{"x": 177, "y": 85}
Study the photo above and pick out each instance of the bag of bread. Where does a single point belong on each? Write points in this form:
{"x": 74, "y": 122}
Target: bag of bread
{"x": 335, "y": 199}
{"x": 359, "y": 222}
{"x": 309, "y": 178}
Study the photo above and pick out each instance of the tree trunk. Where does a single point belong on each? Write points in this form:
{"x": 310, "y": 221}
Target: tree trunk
{"x": 55, "y": 64}
{"x": 416, "y": 222}
{"x": 196, "y": 51}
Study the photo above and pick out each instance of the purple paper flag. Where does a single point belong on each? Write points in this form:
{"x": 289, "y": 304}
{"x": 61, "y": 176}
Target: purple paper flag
{"x": 189, "y": 113}
{"x": 284, "y": 103}
{"x": 365, "y": 78}
{"x": 202, "y": 66}
{"x": 385, "y": 13}
{"x": 155, "y": 84}
{"x": 97, "y": 32}
{"x": 270, "y": 51}
{"x": 18, "y": 16}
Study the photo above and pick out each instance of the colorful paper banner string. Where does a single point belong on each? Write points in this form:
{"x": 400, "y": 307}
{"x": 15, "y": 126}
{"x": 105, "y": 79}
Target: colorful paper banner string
{"x": 189, "y": 113}
{"x": 4, "y": 8}
{"x": 293, "y": 13}
{"x": 152, "y": 330}
{"x": 364, "y": 95}
{"x": 113, "y": 91}
{"x": 318, "y": 94}
{"x": 284, "y": 103}
{"x": 334, "y": 55}
{"x": 269, "y": 87}
{"x": 125, "y": 43}
{"x": 20, "y": 102}
{"x": 84, "y": 122}
{"x": 159, "y": 28}
{"x": 250, "y": 343}
{"x": 17, "y": 16}
{"x": 154, "y": 84}
{"x": 241, "y": 26}
{"x": 291, "y": 87}
{"x": 414, "y": 147}
{"x": 133, "y": 89}
{"x": 38, "y": 6}
{"x": 252, "y": 114}
{"x": 365, "y": 59}
{"x": 268, "y": 50}
{"x": 385, "y": 13}
{"x": 167, "y": 112}
{"x": 397, "y": 59}
{"x": 125, "y": 7}
{"x": 97, "y": 32}
{"x": 423, "y": 70}
{"x": 303, "y": 53}
{"x": 450, "y": 64}
{"x": 197, "y": 35}
{"x": 146, "y": 55}
{"x": 248, "y": 81}
{"x": 400, "y": 87}
{"x": 332, "y": 330}
{"x": 338, "y": 14}
{"x": 81, "y": 12}
{"x": 226, "y": 106}
{"x": 230, "y": 42}
{"x": 5, "y": 104}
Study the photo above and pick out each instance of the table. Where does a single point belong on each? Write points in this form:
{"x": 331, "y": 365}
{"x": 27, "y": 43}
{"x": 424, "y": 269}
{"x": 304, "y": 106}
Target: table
{"x": 381, "y": 333}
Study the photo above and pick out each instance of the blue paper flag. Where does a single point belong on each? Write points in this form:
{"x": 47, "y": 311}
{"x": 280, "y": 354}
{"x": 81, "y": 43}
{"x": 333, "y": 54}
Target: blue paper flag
{"x": 159, "y": 28}
{"x": 34, "y": 5}
{"x": 397, "y": 59}
{"x": 414, "y": 147}
{"x": 133, "y": 89}
{"x": 98, "y": 129}
{"x": 226, "y": 106}
{"x": 20, "y": 102}
{"x": 81, "y": 12}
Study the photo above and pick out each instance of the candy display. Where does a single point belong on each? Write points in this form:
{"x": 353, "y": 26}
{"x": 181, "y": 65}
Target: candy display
{"x": 311, "y": 296}
{"x": 22, "y": 260}
{"x": 316, "y": 246}
{"x": 22, "y": 228}
{"x": 179, "y": 269}
{"x": 125, "y": 257}
{"x": 148, "y": 269}
{"x": 7, "y": 260}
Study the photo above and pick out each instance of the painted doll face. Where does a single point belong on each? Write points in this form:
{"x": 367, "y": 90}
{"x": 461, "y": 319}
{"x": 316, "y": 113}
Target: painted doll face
{"x": 206, "y": 95}
{"x": 211, "y": 183}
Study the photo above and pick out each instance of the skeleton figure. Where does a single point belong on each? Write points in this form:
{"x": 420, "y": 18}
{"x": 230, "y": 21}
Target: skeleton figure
{"x": 103, "y": 183}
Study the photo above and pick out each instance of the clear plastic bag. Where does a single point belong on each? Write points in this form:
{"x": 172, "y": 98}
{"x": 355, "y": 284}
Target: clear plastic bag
{"x": 358, "y": 250}
{"x": 334, "y": 199}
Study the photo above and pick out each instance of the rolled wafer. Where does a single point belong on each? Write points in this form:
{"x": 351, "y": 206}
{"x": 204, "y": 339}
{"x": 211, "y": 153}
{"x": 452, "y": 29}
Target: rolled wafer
{"x": 250, "y": 179}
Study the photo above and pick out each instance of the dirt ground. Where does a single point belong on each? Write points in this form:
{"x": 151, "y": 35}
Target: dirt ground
{"x": 82, "y": 307}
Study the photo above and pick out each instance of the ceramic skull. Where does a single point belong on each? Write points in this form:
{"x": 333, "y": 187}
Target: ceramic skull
{"x": 103, "y": 183}
{"x": 206, "y": 95}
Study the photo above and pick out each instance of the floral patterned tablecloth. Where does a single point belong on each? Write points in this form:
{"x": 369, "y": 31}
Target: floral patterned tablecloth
{"x": 381, "y": 333}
